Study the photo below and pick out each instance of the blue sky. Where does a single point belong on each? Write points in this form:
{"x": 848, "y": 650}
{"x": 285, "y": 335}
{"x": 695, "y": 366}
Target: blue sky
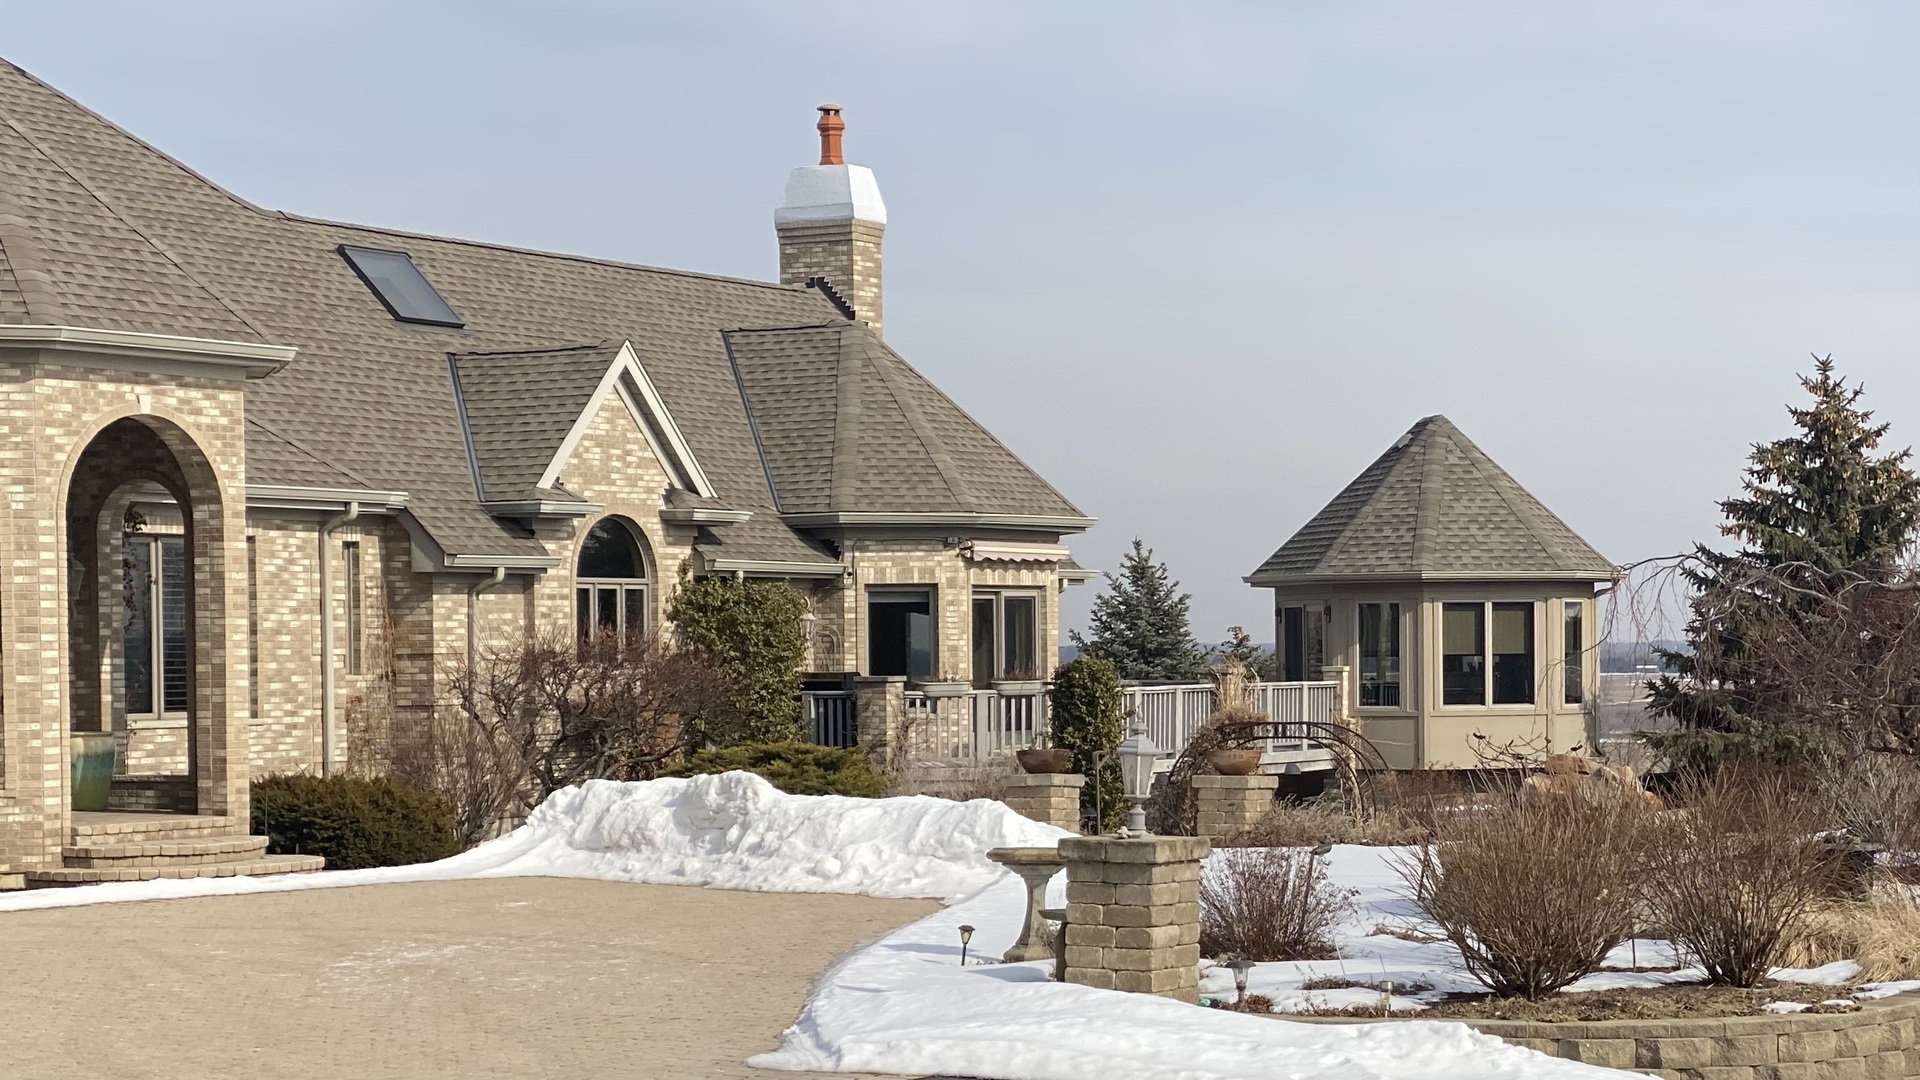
{"x": 1198, "y": 264}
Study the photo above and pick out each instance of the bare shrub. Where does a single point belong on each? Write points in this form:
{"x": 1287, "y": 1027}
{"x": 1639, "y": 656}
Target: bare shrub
{"x": 960, "y": 782}
{"x": 1730, "y": 876}
{"x": 1269, "y": 904}
{"x": 1880, "y": 933}
{"x": 1534, "y": 892}
{"x": 1326, "y": 819}
{"x": 525, "y": 721}
{"x": 1876, "y": 798}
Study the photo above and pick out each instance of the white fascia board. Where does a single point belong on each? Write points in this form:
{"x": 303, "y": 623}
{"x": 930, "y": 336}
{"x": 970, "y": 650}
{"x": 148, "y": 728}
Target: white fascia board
{"x": 1078, "y": 576}
{"x": 542, "y": 508}
{"x": 831, "y": 193}
{"x": 839, "y": 518}
{"x": 627, "y": 363}
{"x": 703, "y": 515}
{"x": 510, "y": 562}
{"x": 253, "y": 360}
{"x": 290, "y": 497}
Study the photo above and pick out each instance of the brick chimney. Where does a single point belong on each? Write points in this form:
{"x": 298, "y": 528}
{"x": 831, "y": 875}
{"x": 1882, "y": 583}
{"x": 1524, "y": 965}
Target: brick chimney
{"x": 831, "y": 222}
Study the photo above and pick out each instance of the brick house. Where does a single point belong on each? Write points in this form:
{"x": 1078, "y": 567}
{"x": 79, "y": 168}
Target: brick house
{"x": 260, "y": 466}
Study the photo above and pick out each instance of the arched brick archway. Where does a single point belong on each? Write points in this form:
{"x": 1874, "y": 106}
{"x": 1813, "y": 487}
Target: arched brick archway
{"x": 124, "y": 457}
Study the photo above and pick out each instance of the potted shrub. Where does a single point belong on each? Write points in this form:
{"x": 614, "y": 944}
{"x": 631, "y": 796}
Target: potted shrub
{"x": 945, "y": 686}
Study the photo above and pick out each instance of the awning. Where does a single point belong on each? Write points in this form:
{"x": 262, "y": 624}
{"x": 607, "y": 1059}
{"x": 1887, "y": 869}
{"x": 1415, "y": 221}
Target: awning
{"x": 1014, "y": 551}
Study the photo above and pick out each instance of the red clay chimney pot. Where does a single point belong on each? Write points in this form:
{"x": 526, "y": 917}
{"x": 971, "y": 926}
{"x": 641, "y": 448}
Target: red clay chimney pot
{"x": 830, "y": 126}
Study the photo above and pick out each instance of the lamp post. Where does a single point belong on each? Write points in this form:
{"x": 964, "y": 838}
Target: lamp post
{"x": 1137, "y": 755}
{"x": 966, "y": 935}
{"x": 1240, "y": 969}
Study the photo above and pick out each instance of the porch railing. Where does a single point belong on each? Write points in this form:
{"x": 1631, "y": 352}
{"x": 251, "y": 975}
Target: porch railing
{"x": 1171, "y": 714}
{"x": 973, "y": 726}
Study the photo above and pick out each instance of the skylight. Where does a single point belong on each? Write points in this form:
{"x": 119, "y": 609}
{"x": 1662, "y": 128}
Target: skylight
{"x": 400, "y": 286}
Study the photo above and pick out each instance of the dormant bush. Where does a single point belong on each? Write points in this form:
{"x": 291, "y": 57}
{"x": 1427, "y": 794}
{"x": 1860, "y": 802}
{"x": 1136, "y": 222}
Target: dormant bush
{"x": 1732, "y": 875}
{"x": 1534, "y": 890}
{"x": 1269, "y": 904}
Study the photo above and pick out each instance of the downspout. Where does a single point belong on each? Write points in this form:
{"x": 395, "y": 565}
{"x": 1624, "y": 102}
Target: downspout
{"x": 328, "y": 738}
{"x": 473, "y": 613}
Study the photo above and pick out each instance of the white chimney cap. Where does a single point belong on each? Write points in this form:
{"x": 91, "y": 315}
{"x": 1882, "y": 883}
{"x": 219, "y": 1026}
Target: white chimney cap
{"x": 831, "y": 193}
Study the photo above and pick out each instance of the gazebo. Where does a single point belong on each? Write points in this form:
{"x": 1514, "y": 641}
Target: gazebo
{"x": 1458, "y": 610}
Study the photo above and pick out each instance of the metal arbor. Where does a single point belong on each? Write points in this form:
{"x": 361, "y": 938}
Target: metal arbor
{"x": 1175, "y": 810}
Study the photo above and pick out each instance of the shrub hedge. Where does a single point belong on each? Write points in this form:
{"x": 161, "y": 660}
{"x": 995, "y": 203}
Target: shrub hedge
{"x": 794, "y": 767}
{"x": 355, "y": 822}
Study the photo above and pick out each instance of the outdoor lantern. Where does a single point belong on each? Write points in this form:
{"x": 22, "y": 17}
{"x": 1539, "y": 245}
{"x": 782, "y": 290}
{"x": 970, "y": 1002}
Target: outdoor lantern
{"x": 1137, "y": 755}
{"x": 1240, "y": 969}
{"x": 966, "y": 935}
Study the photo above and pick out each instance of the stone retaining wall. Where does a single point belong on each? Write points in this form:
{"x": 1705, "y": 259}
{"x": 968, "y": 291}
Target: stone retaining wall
{"x": 1879, "y": 1042}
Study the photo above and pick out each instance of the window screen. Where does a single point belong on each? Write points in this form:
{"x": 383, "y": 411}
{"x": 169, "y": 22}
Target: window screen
{"x": 400, "y": 286}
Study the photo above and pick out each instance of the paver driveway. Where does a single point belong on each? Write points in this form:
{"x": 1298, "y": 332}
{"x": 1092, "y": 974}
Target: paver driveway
{"x": 514, "y": 977}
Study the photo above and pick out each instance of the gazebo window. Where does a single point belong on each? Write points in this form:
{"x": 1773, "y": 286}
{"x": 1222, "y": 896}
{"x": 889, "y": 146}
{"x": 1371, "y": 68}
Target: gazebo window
{"x": 1379, "y": 626}
{"x": 1475, "y": 666}
{"x": 612, "y": 582}
{"x": 1574, "y": 650}
{"x": 1303, "y": 642}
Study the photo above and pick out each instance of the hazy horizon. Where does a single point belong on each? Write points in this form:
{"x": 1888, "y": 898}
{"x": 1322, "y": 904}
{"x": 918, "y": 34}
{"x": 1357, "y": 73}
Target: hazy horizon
{"x": 1198, "y": 266}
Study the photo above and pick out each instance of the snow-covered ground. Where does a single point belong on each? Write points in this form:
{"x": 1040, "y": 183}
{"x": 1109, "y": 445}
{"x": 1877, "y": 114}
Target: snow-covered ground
{"x": 905, "y": 1005}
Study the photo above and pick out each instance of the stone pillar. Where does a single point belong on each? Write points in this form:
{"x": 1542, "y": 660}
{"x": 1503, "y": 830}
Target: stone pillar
{"x": 879, "y": 717}
{"x": 1133, "y": 913}
{"x": 1232, "y": 804}
{"x": 1036, "y": 867}
{"x": 1049, "y": 798}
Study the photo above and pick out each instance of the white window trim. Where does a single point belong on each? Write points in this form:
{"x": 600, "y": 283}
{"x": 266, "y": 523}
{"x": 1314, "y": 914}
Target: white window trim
{"x": 1486, "y": 655}
{"x": 1406, "y": 612}
{"x": 999, "y": 597}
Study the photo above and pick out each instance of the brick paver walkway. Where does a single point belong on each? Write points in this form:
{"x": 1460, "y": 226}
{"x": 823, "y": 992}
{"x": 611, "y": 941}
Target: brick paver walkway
{"x": 517, "y": 977}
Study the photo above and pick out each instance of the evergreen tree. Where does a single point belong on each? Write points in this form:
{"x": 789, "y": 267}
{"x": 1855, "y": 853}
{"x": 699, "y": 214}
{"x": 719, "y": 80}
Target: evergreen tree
{"x": 1140, "y": 623}
{"x": 1240, "y": 647}
{"x": 754, "y": 629}
{"x": 1814, "y": 508}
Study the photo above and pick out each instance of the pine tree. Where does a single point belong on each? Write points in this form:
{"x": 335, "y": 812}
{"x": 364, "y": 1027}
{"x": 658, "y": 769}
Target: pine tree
{"x": 1240, "y": 648}
{"x": 1813, "y": 508}
{"x": 1140, "y": 624}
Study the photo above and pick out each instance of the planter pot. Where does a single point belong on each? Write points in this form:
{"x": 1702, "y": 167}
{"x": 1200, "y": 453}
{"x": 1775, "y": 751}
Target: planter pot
{"x": 944, "y": 689}
{"x": 92, "y": 753}
{"x": 1019, "y": 686}
{"x": 1234, "y": 762}
{"x": 1044, "y": 761}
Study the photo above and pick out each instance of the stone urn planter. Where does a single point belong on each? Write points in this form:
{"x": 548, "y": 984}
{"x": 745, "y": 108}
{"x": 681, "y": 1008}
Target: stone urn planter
{"x": 1018, "y": 686}
{"x": 943, "y": 688}
{"x": 1044, "y": 761}
{"x": 1234, "y": 762}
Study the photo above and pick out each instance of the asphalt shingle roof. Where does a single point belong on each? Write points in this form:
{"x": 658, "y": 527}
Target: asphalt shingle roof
{"x": 1433, "y": 505}
{"x": 98, "y": 228}
{"x": 520, "y": 406}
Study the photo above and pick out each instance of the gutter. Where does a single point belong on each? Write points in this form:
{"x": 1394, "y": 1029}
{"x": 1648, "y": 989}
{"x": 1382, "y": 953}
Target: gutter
{"x": 473, "y": 615}
{"x": 328, "y": 736}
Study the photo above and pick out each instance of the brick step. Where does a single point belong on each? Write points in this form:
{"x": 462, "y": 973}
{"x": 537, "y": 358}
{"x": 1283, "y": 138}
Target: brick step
{"x": 91, "y": 828}
{"x": 196, "y": 851}
{"x": 269, "y": 864}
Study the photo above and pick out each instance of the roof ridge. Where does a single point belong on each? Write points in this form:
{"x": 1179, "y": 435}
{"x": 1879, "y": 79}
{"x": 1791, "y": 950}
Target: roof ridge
{"x": 145, "y": 235}
{"x": 930, "y": 440}
{"x": 540, "y": 252}
{"x": 841, "y": 473}
{"x": 19, "y": 248}
{"x": 545, "y": 350}
{"x": 335, "y": 466}
{"x": 1475, "y": 457}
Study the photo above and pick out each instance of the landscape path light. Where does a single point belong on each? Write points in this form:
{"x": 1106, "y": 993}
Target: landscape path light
{"x": 966, "y": 935}
{"x": 1240, "y": 969}
{"x": 1137, "y": 755}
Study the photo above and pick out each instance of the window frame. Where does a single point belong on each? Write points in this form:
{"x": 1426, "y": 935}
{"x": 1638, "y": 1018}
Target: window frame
{"x": 1488, "y": 657}
{"x": 904, "y": 593}
{"x": 348, "y": 253}
{"x": 1573, "y": 654}
{"x": 1315, "y": 617}
{"x": 1394, "y": 616}
{"x": 589, "y": 591}
{"x": 158, "y": 612}
{"x": 355, "y": 606}
{"x": 1001, "y": 669}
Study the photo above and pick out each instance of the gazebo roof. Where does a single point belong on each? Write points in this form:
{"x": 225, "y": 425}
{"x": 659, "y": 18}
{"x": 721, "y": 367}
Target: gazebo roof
{"x": 1434, "y": 506}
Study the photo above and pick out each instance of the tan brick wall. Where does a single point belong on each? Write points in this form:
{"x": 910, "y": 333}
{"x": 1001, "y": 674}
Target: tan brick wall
{"x": 846, "y": 253}
{"x": 48, "y": 417}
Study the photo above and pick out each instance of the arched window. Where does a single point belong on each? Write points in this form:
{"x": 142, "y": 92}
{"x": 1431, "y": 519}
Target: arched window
{"x": 612, "y": 582}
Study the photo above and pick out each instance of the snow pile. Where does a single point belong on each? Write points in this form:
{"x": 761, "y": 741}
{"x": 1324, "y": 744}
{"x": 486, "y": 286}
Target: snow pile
{"x": 729, "y": 830}
{"x": 905, "y": 1005}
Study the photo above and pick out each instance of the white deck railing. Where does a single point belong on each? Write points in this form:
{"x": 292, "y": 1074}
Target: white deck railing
{"x": 975, "y": 725}
{"x": 1172, "y": 714}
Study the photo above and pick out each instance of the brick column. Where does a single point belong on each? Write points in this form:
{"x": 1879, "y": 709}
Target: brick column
{"x": 1232, "y": 804}
{"x": 1049, "y": 798}
{"x": 1133, "y": 913}
{"x": 879, "y": 713}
